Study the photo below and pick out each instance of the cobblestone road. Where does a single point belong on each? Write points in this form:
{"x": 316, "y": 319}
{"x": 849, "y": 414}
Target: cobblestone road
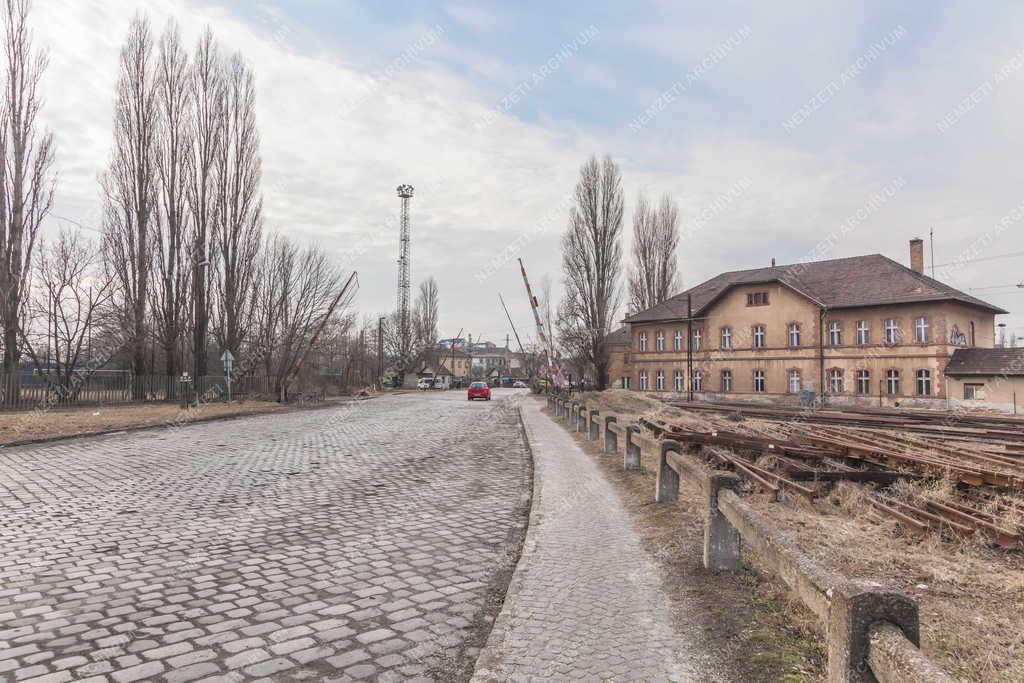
{"x": 585, "y": 603}
{"x": 362, "y": 541}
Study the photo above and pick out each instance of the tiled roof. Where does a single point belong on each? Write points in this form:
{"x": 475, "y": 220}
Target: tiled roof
{"x": 619, "y": 336}
{"x": 989, "y": 362}
{"x": 872, "y": 280}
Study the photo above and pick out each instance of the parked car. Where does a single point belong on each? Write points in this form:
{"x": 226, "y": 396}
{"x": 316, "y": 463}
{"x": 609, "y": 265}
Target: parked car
{"x": 478, "y": 390}
{"x": 519, "y": 384}
{"x": 424, "y": 384}
{"x": 439, "y": 383}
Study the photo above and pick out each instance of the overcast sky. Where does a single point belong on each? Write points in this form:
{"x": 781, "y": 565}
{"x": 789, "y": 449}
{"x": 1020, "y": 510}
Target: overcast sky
{"x": 783, "y": 131}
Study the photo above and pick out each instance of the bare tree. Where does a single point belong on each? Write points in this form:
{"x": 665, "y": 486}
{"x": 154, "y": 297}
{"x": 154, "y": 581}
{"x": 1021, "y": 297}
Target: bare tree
{"x": 27, "y": 179}
{"x": 208, "y": 95}
{"x": 239, "y": 220}
{"x": 655, "y": 273}
{"x": 591, "y": 264}
{"x": 131, "y": 184}
{"x": 171, "y": 230}
{"x": 72, "y": 293}
{"x": 297, "y": 288}
{"x": 426, "y": 314}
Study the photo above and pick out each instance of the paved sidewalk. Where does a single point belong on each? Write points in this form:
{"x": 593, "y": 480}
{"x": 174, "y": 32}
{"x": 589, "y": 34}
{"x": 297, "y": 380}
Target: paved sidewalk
{"x": 585, "y": 601}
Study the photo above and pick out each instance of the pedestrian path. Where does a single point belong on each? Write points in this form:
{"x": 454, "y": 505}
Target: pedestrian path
{"x": 585, "y": 601}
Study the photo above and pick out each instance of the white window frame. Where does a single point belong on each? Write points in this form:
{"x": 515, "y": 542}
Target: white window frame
{"x": 726, "y": 338}
{"x": 795, "y": 382}
{"x": 760, "y": 383}
{"x": 863, "y": 333}
{"x": 864, "y": 382}
{"x": 659, "y": 380}
{"x": 923, "y": 378}
{"x": 892, "y": 382}
{"x": 677, "y": 340}
{"x": 625, "y": 382}
{"x": 794, "y": 335}
{"x": 677, "y": 380}
{"x": 835, "y": 333}
{"x": 659, "y": 341}
{"x": 835, "y": 381}
{"x": 643, "y": 380}
{"x": 696, "y": 339}
{"x": 698, "y": 381}
{"x": 892, "y": 331}
{"x": 759, "y": 336}
{"x": 972, "y": 389}
{"x": 921, "y": 330}
{"x": 726, "y": 378}
{"x": 643, "y": 342}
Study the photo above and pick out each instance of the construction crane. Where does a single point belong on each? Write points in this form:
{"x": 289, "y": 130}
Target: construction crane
{"x": 554, "y": 372}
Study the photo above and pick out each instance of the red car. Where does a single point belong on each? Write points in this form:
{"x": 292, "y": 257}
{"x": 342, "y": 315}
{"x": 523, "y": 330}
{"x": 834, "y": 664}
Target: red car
{"x": 478, "y": 390}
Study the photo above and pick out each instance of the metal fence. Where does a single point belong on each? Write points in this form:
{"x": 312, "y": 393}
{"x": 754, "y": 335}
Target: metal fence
{"x": 29, "y": 391}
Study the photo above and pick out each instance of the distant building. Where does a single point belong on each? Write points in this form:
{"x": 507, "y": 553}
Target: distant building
{"x": 860, "y": 330}
{"x": 987, "y": 378}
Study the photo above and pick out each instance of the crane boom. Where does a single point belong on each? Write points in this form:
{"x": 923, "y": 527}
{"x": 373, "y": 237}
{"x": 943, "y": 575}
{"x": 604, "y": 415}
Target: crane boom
{"x": 554, "y": 372}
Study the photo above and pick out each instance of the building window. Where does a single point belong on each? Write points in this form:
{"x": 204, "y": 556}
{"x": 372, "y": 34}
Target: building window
{"x": 759, "y": 381}
{"x": 696, "y": 339}
{"x": 835, "y": 333}
{"x": 643, "y": 342}
{"x": 794, "y": 334}
{"x": 892, "y": 331}
{"x": 864, "y": 382}
{"x": 924, "y": 382}
{"x": 921, "y": 330}
{"x": 892, "y": 382}
{"x": 625, "y": 382}
{"x": 659, "y": 380}
{"x": 973, "y": 392}
{"x": 726, "y": 338}
{"x": 794, "y": 381}
{"x": 659, "y": 341}
{"x": 863, "y": 332}
{"x": 757, "y": 299}
{"x": 698, "y": 381}
{"x": 677, "y": 380}
{"x": 835, "y": 380}
{"x": 677, "y": 340}
{"x": 643, "y": 380}
{"x": 726, "y": 380}
{"x": 758, "y": 336}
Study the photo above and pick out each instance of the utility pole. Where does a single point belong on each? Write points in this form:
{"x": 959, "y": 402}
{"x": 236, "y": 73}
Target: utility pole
{"x": 689, "y": 346}
{"x": 931, "y": 234}
{"x": 452, "y": 369}
{"x": 380, "y": 353}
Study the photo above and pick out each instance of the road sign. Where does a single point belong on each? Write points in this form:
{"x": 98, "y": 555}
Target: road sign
{"x": 228, "y": 359}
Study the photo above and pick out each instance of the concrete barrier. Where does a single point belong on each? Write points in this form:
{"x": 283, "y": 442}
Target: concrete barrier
{"x": 581, "y": 419}
{"x": 631, "y": 458}
{"x": 611, "y": 434}
{"x": 872, "y": 634}
{"x": 593, "y": 421}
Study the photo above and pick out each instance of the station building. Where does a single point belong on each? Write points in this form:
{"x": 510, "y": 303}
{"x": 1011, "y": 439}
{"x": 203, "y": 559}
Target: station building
{"x": 864, "y": 330}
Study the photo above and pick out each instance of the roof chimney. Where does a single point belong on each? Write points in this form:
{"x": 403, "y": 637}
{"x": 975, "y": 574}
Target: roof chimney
{"x": 773, "y": 261}
{"x": 917, "y": 255}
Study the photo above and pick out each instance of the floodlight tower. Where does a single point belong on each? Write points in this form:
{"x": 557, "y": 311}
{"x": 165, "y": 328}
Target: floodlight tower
{"x": 404, "y": 285}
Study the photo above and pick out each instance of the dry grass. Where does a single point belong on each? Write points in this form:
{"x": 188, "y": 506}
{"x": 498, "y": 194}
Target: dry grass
{"x": 970, "y": 596}
{"x": 43, "y": 424}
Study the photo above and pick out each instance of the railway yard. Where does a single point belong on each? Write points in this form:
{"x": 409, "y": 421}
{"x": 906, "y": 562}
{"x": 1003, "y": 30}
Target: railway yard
{"x": 930, "y": 503}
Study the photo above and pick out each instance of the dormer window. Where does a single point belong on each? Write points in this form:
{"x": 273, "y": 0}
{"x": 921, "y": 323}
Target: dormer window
{"x": 757, "y": 299}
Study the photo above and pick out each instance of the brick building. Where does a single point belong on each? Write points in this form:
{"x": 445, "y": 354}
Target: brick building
{"x": 860, "y": 330}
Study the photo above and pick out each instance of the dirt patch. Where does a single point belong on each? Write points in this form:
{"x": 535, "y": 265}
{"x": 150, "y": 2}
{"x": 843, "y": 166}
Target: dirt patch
{"x": 758, "y": 632}
{"x": 56, "y": 423}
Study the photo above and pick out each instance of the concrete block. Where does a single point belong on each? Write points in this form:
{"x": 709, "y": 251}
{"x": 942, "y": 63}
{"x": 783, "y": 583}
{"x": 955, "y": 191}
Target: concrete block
{"x": 595, "y": 416}
{"x": 611, "y": 439}
{"x": 631, "y": 460}
{"x": 581, "y": 419}
{"x": 721, "y": 538}
{"x": 854, "y": 609}
{"x": 667, "y": 486}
